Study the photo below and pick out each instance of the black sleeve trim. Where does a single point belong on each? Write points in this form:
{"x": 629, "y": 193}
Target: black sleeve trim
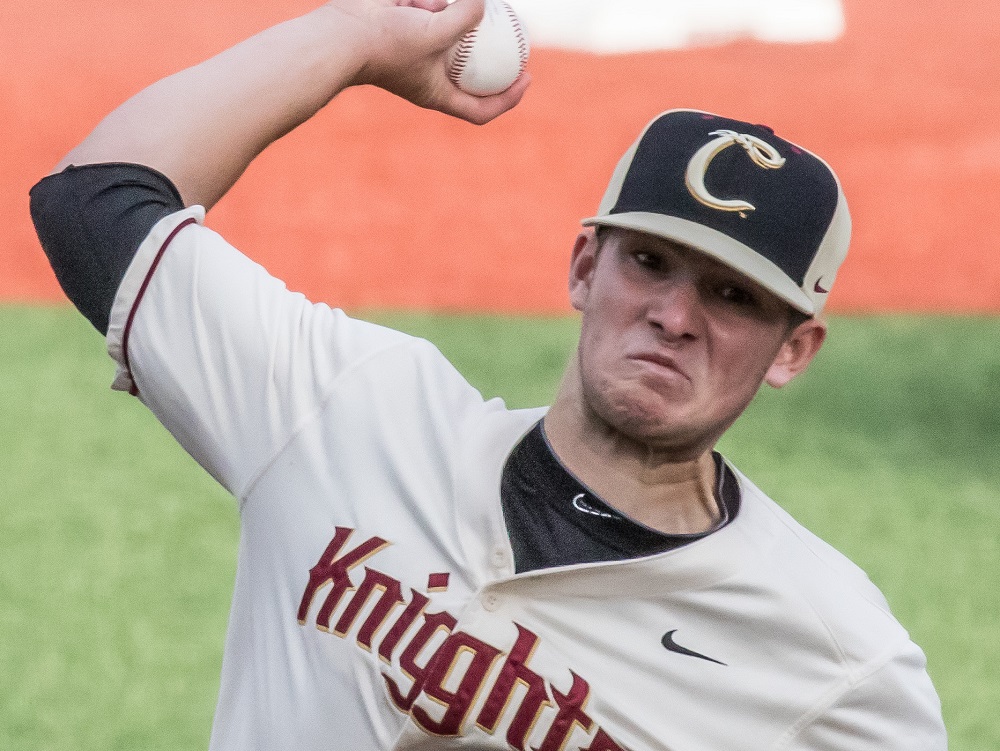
{"x": 91, "y": 220}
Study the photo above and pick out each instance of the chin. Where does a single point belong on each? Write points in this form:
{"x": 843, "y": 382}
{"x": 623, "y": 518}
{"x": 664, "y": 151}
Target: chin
{"x": 645, "y": 420}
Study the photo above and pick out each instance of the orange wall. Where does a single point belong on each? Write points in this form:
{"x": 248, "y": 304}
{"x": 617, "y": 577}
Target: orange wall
{"x": 377, "y": 203}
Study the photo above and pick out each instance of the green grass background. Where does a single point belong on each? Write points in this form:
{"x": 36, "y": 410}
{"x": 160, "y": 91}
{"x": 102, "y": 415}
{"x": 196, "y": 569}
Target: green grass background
{"x": 117, "y": 552}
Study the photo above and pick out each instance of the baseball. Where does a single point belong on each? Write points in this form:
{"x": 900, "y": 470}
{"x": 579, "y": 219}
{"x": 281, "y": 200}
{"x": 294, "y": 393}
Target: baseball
{"x": 489, "y": 58}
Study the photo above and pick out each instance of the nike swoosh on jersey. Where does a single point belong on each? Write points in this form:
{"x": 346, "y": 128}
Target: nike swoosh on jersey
{"x": 672, "y": 646}
{"x": 580, "y": 504}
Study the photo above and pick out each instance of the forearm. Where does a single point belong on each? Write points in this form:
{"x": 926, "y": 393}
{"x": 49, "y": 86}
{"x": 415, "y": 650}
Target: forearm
{"x": 203, "y": 126}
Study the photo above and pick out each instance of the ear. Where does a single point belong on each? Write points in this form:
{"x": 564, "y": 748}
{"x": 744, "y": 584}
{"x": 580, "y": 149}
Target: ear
{"x": 797, "y": 351}
{"x": 581, "y": 268}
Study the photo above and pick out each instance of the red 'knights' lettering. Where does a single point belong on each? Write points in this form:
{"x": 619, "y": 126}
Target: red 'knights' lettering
{"x": 570, "y": 713}
{"x": 457, "y": 702}
{"x": 430, "y": 655}
{"x": 391, "y": 597}
{"x": 413, "y": 611}
{"x": 331, "y": 569}
{"x": 433, "y": 622}
{"x": 603, "y": 742}
{"x": 515, "y": 671}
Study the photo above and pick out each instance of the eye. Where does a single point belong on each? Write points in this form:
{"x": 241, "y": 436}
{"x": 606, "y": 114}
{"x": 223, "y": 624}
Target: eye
{"x": 737, "y": 295}
{"x": 648, "y": 260}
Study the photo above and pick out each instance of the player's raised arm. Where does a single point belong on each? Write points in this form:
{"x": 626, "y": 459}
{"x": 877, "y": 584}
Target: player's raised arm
{"x": 199, "y": 331}
{"x": 203, "y": 126}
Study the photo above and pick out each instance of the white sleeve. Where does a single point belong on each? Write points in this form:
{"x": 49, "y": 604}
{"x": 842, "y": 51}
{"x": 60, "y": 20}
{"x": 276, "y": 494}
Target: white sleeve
{"x": 895, "y": 708}
{"x": 223, "y": 354}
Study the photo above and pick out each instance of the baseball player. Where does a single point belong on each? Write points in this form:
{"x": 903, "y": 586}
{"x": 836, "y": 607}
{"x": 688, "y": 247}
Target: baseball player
{"x": 423, "y": 569}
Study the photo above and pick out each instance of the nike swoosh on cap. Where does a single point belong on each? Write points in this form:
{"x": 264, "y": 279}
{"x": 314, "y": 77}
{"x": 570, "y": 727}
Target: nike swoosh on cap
{"x": 672, "y": 646}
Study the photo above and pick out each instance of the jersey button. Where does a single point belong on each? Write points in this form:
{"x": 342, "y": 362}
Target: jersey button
{"x": 490, "y": 602}
{"x": 499, "y": 559}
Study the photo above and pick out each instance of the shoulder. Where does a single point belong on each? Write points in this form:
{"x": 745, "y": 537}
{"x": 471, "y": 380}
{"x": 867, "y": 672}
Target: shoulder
{"x": 827, "y": 589}
{"x": 785, "y": 538}
{"x": 891, "y": 707}
{"x": 836, "y": 622}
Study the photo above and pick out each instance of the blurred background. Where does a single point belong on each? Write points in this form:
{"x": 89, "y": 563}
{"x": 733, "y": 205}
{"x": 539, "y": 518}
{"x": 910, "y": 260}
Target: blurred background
{"x": 899, "y": 96}
{"x": 117, "y": 552}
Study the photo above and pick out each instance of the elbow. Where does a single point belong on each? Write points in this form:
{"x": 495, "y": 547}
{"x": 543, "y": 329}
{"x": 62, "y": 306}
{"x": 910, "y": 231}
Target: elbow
{"x": 90, "y": 222}
{"x": 57, "y": 214}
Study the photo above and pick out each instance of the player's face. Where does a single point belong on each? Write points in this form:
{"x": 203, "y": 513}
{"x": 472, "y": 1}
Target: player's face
{"x": 674, "y": 344}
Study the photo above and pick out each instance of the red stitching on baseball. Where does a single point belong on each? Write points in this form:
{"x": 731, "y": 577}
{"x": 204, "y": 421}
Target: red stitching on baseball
{"x": 461, "y": 56}
{"x": 522, "y": 42}
{"x": 463, "y": 50}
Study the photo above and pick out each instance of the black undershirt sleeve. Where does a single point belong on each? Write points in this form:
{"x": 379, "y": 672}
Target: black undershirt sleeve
{"x": 91, "y": 220}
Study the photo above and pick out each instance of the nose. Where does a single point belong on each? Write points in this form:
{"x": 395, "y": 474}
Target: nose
{"x": 675, "y": 310}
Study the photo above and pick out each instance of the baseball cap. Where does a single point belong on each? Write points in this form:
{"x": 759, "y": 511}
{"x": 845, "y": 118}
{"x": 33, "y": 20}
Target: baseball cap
{"x": 760, "y": 204}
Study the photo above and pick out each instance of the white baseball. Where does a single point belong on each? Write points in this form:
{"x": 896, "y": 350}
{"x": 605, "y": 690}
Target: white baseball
{"x": 488, "y": 59}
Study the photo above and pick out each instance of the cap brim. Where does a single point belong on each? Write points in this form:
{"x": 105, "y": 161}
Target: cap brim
{"x": 713, "y": 243}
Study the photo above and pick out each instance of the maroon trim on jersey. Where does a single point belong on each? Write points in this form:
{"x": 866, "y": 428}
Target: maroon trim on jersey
{"x": 134, "y": 391}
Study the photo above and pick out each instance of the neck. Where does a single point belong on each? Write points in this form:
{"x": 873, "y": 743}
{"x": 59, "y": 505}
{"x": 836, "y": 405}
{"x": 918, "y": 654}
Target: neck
{"x": 668, "y": 490}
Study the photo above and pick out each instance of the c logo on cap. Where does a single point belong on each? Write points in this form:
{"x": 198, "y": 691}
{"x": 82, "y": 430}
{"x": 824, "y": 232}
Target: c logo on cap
{"x": 762, "y": 153}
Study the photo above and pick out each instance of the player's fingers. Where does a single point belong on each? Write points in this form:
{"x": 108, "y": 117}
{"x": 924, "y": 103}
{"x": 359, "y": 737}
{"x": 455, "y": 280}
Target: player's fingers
{"x": 455, "y": 20}
{"x": 432, "y": 5}
{"x": 481, "y": 110}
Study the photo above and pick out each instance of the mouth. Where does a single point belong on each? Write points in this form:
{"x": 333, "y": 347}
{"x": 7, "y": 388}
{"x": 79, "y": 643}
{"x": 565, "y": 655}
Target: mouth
{"x": 661, "y": 362}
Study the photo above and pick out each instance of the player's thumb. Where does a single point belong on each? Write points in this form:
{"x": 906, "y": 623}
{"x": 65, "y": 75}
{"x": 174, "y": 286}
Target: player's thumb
{"x": 461, "y": 16}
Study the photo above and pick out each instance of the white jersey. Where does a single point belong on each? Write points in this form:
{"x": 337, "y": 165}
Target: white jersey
{"x": 376, "y": 605}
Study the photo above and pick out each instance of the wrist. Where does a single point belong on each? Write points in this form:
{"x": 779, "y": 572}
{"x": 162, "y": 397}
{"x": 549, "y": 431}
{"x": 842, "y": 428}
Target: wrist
{"x": 347, "y": 39}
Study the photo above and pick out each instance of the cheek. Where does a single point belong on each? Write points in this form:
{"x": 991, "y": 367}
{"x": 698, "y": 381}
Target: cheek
{"x": 743, "y": 361}
{"x": 592, "y": 352}
{"x": 600, "y": 357}
{"x": 595, "y": 327}
{"x": 607, "y": 327}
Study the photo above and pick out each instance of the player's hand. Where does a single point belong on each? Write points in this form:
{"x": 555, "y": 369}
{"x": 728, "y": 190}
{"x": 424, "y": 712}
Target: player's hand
{"x": 406, "y": 44}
